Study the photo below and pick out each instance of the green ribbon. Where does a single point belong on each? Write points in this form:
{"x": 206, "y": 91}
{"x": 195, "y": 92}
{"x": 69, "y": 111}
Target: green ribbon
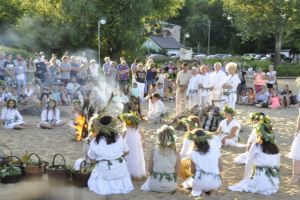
{"x": 168, "y": 176}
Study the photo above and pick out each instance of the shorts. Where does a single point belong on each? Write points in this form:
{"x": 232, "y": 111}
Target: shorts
{"x": 270, "y": 85}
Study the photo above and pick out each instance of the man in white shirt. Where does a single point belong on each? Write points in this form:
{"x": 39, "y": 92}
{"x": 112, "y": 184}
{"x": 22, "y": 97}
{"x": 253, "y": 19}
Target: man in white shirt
{"x": 217, "y": 80}
{"x": 192, "y": 91}
{"x": 204, "y": 86}
{"x": 182, "y": 81}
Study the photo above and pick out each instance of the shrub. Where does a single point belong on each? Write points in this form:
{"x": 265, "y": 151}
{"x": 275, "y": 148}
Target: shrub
{"x": 15, "y": 51}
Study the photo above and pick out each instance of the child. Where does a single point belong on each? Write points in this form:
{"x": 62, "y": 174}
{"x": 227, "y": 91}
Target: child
{"x": 255, "y": 118}
{"x": 10, "y": 116}
{"x": 50, "y": 117}
{"x": 295, "y": 155}
{"x": 275, "y": 101}
{"x": 206, "y": 165}
{"x": 243, "y": 98}
{"x": 157, "y": 109}
{"x": 164, "y": 163}
{"x": 108, "y": 149}
{"x": 262, "y": 165}
{"x": 229, "y": 128}
{"x": 160, "y": 89}
{"x": 134, "y": 90}
{"x": 251, "y": 96}
{"x": 56, "y": 95}
{"x": 135, "y": 140}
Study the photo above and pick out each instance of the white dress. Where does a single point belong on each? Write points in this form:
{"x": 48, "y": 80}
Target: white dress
{"x": 204, "y": 92}
{"x": 192, "y": 92}
{"x": 11, "y": 118}
{"x": 231, "y": 94}
{"x": 156, "y": 111}
{"x": 111, "y": 175}
{"x": 226, "y": 129}
{"x": 241, "y": 159}
{"x": 135, "y": 159}
{"x": 295, "y": 149}
{"x": 258, "y": 168}
{"x": 217, "y": 81}
{"x": 207, "y": 175}
{"x": 49, "y": 115}
{"x": 163, "y": 178}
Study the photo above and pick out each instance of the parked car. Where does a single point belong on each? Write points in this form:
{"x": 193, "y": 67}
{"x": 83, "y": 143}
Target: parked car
{"x": 214, "y": 57}
{"x": 284, "y": 58}
{"x": 250, "y": 56}
{"x": 199, "y": 56}
{"x": 174, "y": 53}
{"x": 157, "y": 57}
{"x": 223, "y": 56}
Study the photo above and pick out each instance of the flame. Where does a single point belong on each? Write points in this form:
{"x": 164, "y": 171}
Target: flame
{"x": 80, "y": 127}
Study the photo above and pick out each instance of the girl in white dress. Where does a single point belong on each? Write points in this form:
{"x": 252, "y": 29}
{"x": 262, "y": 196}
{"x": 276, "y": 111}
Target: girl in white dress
{"x": 229, "y": 128}
{"x": 295, "y": 154}
{"x": 10, "y": 116}
{"x": 230, "y": 86}
{"x": 255, "y": 118}
{"x": 262, "y": 165}
{"x": 164, "y": 163}
{"x": 50, "y": 117}
{"x": 206, "y": 165}
{"x": 108, "y": 149}
{"x": 135, "y": 140}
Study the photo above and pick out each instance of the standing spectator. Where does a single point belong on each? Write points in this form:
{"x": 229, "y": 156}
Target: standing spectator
{"x": 41, "y": 68}
{"x": 106, "y": 66}
{"x": 75, "y": 67}
{"x": 9, "y": 67}
{"x": 140, "y": 77}
{"x": 72, "y": 88}
{"x": 83, "y": 73}
{"x": 259, "y": 80}
{"x": 20, "y": 72}
{"x": 205, "y": 86}
{"x": 134, "y": 68}
{"x": 54, "y": 71}
{"x": 2, "y": 61}
{"x": 151, "y": 75}
{"x": 217, "y": 81}
{"x": 123, "y": 74}
{"x": 31, "y": 69}
{"x": 94, "y": 69}
{"x": 65, "y": 68}
{"x": 271, "y": 77}
{"x": 182, "y": 81}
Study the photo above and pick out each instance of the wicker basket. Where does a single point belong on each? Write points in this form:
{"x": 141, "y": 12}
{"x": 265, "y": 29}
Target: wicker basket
{"x": 185, "y": 169}
{"x": 12, "y": 178}
{"x": 34, "y": 170}
{"x": 58, "y": 174}
{"x": 79, "y": 178}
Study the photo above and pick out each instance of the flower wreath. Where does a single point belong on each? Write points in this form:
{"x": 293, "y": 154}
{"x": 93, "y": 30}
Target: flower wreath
{"x": 229, "y": 110}
{"x": 94, "y": 124}
{"x": 131, "y": 119}
{"x": 171, "y": 132}
{"x": 268, "y": 136}
{"x": 261, "y": 118}
{"x": 197, "y": 139}
{"x": 188, "y": 121}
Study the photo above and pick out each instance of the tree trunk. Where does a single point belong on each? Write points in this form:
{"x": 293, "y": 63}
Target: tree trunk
{"x": 278, "y": 37}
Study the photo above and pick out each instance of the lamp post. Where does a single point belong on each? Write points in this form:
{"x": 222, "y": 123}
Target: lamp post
{"x": 102, "y": 21}
{"x": 186, "y": 36}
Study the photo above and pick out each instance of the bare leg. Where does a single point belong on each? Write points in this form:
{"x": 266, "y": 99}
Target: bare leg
{"x": 61, "y": 123}
{"x": 296, "y": 172}
{"x": 45, "y": 125}
{"x": 18, "y": 127}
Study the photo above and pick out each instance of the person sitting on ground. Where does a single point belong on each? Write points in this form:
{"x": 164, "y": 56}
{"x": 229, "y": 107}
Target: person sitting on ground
{"x": 164, "y": 163}
{"x": 251, "y": 96}
{"x": 157, "y": 109}
{"x": 286, "y": 96}
{"x": 229, "y": 128}
{"x": 275, "y": 101}
{"x": 262, "y": 98}
{"x": 206, "y": 165}
{"x": 50, "y": 117}
{"x": 243, "y": 98}
{"x": 10, "y": 116}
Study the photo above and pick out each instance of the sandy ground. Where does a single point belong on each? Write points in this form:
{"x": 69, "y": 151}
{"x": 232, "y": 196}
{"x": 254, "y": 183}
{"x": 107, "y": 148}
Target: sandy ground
{"x": 48, "y": 142}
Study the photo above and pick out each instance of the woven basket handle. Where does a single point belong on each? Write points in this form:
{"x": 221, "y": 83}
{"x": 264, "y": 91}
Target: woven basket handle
{"x": 53, "y": 161}
{"x": 82, "y": 164}
{"x": 6, "y": 158}
{"x": 3, "y": 145}
{"x": 34, "y": 154}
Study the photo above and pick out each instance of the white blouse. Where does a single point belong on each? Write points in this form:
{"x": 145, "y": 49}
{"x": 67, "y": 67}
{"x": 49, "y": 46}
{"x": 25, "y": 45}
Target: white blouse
{"x": 9, "y": 114}
{"x": 226, "y": 128}
{"x": 50, "y": 115}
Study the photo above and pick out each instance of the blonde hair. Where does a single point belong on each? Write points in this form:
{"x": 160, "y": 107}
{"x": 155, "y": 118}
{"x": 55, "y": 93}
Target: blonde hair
{"x": 166, "y": 140}
{"x": 106, "y": 59}
{"x": 231, "y": 65}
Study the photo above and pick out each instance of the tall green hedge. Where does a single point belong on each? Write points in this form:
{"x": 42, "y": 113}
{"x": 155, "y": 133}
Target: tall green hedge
{"x": 14, "y": 51}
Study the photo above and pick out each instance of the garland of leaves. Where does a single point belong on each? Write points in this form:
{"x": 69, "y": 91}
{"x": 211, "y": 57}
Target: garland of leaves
{"x": 270, "y": 172}
{"x": 198, "y": 139}
{"x": 187, "y": 121}
{"x": 261, "y": 118}
{"x": 94, "y": 124}
{"x": 171, "y": 133}
{"x": 131, "y": 119}
{"x": 268, "y": 136}
{"x": 168, "y": 176}
{"x": 201, "y": 173}
{"x": 229, "y": 110}
{"x": 109, "y": 162}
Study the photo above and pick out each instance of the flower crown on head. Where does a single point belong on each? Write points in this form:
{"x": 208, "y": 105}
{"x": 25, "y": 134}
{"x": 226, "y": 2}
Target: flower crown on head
{"x": 197, "y": 139}
{"x": 261, "y": 118}
{"x": 130, "y": 118}
{"x": 229, "y": 110}
{"x": 170, "y": 131}
{"x": 95, "y": 124}
{"x": 268, "y": 134}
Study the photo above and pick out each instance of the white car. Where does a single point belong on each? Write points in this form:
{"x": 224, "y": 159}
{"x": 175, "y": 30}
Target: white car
{"x": 199, "y": 56}
{"x": 174, "y": 53}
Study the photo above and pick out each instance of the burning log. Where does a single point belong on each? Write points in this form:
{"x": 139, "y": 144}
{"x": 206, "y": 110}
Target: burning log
{"x": 81, "y": 128}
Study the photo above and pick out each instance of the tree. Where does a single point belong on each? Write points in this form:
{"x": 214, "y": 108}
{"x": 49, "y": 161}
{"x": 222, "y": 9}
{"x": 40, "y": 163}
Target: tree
{"x": 260, "y": 18}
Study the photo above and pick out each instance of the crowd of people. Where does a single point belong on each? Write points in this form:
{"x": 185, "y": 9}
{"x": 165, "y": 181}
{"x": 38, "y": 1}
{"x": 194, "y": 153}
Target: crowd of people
{"x": 119, "y": 157}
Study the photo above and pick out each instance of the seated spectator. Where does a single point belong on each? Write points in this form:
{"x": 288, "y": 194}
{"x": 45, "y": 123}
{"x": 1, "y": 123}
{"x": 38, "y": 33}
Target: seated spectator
{"x": 275, "y": 101}
{"x": 72, "y": 87}
{"x": 251, "y": 96}
{"x": 50, "y": 117}
{"x": 262, "y": 98}
{"x": 10, "y": 116}
{"x": 157, "y": 109}
{"x": 243, "y": 98}
{"x": 286, "y": 96}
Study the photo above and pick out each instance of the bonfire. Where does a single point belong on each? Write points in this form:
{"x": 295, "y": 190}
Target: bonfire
{"x": 81, "y": 128}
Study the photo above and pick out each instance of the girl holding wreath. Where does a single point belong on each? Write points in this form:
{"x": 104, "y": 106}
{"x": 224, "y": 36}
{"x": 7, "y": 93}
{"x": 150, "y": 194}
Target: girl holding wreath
{"x": 229, "y": 128}
{"x": 206, "y": 165}
{"x": 134, "y": 138}
{"x": 108, "y": 150}
{"x": 256, "y": 118}
{"x": 164, "y": 163}
{"x": 262, "y": 165}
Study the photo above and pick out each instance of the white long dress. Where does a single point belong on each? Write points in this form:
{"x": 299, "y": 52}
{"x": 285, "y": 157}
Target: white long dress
{"x": 205, "y": 93}
{"x": 226, "y": 129}
{"x": 111, "y": 175}
{"x": 231, "y": 96}
{"x": 135, "y": 160}
{"x": 50, "y": 115}
{"x": 241, "y": 159}
{"x": 217, "y": 81}
{"x": 258, "y": 173}
{"x": 295, "y": 149}
{"x": 11, "y": 118}
{"x": 192, "y": 92}
{"x": 207, "y": 175}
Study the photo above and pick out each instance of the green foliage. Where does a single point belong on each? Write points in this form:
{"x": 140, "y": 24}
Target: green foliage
{"x": 10, "y": 171}
{"x": 15, "y": 51}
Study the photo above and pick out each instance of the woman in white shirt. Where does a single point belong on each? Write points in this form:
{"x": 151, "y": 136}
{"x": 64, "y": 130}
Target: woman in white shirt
{"x": 50, "y": 117}
{"x": 10, "y": 116}
{"x": 230, "y": 86}
{"x": 157, "y": 109}
{"x": 229, "y": 128}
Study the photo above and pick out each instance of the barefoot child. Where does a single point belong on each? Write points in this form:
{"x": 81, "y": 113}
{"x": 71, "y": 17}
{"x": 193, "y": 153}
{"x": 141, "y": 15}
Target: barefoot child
{"x": 135, "y": 140}
{"x": 164, "y": 163}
